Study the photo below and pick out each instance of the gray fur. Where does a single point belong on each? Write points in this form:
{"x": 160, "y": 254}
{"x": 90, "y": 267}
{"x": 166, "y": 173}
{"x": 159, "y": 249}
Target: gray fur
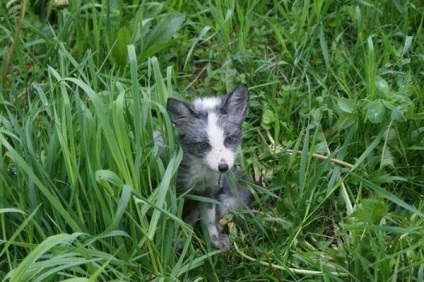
{"x": 191, "y": 120}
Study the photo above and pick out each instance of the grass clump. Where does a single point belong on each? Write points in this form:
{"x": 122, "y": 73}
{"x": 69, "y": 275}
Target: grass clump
{"x": 333, "y": 139}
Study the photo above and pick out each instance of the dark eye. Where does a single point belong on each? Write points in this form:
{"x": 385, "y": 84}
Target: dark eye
{"x": 229, "y": 141}
{"x": 202, "y": 146}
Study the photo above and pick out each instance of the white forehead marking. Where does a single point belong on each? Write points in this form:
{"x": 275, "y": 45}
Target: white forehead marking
{"x": 218, "y": 153}
{"x": 206, "y": 103}
{"x": 215, "y": 133}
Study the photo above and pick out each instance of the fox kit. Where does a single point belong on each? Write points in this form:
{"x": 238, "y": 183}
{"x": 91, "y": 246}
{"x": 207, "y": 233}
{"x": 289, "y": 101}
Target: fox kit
{"x": 209, "y": 132}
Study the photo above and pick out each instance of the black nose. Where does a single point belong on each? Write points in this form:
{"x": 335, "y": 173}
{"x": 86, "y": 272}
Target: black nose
{"x": 223, "y": 167}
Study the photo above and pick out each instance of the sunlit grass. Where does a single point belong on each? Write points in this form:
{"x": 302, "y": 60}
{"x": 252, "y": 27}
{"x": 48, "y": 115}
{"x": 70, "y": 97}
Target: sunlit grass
{"x": 333, "y": 140}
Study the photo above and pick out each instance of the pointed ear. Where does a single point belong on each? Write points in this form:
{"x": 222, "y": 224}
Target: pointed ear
{"x": 235, "y": 103}
{"x": 178, "y": 111}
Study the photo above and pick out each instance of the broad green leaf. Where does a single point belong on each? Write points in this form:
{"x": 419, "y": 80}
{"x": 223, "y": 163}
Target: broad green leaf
{"x": 386, "y": 158}
{"x": 268, "y": 117}
{"x": 398, "y": 114}
{"x": 345, "y": 121}
{"x": 324, "y": 46}
{"x": 123, "y": 203}
{"x": 370, "y": 211}
{"x": 109, "y": 176}
{"x": 382, "y": 86}
{"x": 163, "y": 30}
{"x": 417, "y": 116}
{"x": 119, "y": 51}
{"x": 346, "y": 105}
{"x": 407, "y": 45}
{"x": 375, "y": 111}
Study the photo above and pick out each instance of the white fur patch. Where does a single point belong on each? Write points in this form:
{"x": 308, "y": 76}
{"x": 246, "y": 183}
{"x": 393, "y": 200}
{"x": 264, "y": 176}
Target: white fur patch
{"x": 208, "y": 215}
{"x": 219, "y": 153}
{"x": 229, "y": 203}
{"x": 199, "y": 176}
{"x": 206, "y": 103}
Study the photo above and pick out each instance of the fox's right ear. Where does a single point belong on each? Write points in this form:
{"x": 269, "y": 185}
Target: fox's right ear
{"x": 178, "y": 111}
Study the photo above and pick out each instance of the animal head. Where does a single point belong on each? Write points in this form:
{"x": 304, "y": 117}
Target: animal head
{"x": 210, "y": 128}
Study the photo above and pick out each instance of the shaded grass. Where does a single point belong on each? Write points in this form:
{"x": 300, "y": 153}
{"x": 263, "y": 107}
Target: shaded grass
{"x": 86, "y": 194}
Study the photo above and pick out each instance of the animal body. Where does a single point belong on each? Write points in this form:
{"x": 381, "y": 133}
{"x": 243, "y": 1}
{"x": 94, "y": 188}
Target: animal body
{"x": 210, "y": 131}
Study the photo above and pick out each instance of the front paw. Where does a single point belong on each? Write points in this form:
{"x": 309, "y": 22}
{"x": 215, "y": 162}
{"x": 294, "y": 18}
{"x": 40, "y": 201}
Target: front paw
{"x": 222, "y": 242}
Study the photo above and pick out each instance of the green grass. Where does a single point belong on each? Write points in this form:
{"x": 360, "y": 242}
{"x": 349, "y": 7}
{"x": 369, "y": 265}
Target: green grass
{"x": 85, "y": 195}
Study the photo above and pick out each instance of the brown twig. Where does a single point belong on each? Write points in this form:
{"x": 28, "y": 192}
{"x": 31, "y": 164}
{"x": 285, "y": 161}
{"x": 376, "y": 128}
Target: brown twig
{"x": 322, "y": 157}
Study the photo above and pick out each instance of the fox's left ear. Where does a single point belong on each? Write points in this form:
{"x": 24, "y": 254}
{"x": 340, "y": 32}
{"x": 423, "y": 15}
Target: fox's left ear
{"x": 235, "y": 103}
